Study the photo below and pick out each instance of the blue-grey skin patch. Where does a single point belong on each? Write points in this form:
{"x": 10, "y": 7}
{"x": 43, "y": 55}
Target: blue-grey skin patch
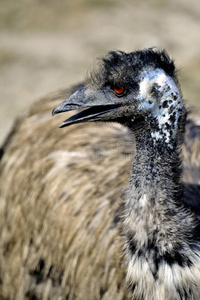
{"x": 160, "y": 96}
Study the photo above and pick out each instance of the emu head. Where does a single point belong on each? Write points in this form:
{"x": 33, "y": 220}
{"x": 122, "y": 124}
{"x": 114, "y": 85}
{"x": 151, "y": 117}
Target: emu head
{"x": 128, "y": 88}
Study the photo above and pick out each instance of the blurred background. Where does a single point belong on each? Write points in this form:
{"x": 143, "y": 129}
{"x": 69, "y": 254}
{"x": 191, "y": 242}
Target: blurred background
{"x": 46, "y": 45}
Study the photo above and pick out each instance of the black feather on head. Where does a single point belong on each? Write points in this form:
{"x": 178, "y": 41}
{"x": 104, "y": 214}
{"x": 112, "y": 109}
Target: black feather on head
{"x": 124, "y": 68}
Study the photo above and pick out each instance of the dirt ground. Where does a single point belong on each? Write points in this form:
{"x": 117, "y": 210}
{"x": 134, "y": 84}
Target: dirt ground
{"x": 50, "y": 44}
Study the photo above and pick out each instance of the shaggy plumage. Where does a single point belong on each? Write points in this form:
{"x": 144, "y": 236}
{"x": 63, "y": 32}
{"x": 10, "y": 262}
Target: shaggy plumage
{"x": 141, "y": 90}
{"x": 63, "y": 195}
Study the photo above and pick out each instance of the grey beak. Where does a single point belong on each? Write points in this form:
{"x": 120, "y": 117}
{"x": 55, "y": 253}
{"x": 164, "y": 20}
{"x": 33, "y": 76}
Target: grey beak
{"x": 75, "y": 101}
{"x": 92, "y": 102}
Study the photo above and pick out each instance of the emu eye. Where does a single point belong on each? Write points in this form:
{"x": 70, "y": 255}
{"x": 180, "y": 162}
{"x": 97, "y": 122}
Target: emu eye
{"x": 119, "y": 89}
{"x": 154, "y": 90}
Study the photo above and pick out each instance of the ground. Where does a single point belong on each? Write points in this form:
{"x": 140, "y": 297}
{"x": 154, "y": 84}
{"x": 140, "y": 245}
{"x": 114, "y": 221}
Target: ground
{"x": 50, "y": 44}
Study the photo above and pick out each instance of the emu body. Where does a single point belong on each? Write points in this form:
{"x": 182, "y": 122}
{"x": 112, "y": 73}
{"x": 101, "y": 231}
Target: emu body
{"x": 63, "y": 196}
{"x": 58, "y": 218}
{"x": 163, "y": 251}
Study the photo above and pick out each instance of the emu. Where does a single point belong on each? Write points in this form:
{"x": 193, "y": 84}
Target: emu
{"x": 69, "y": 227}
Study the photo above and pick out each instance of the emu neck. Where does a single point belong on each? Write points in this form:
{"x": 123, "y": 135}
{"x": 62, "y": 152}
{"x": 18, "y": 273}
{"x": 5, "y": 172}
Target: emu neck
{"x": 158, "y": 230}
{"x": 153, "y": 211}
{"x": 156, "y": 169}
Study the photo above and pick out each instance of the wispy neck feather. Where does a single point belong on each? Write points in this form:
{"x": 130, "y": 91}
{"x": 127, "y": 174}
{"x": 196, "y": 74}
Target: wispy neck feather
{"x": 160, "y": 249}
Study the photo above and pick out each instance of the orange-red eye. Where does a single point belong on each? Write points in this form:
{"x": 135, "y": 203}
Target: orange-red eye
{"x": 118, "y": 89}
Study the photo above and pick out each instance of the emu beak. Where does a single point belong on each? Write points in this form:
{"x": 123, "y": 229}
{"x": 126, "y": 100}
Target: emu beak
{"x": 93, "y": 102}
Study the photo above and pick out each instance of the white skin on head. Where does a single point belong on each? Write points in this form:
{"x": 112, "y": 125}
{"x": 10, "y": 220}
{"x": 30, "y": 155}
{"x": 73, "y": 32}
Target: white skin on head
{"x": 167, "y": 108}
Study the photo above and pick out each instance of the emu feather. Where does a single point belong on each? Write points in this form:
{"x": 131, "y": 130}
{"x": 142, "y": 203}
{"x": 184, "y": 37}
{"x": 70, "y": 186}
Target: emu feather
{"x": 61, "y": 195}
